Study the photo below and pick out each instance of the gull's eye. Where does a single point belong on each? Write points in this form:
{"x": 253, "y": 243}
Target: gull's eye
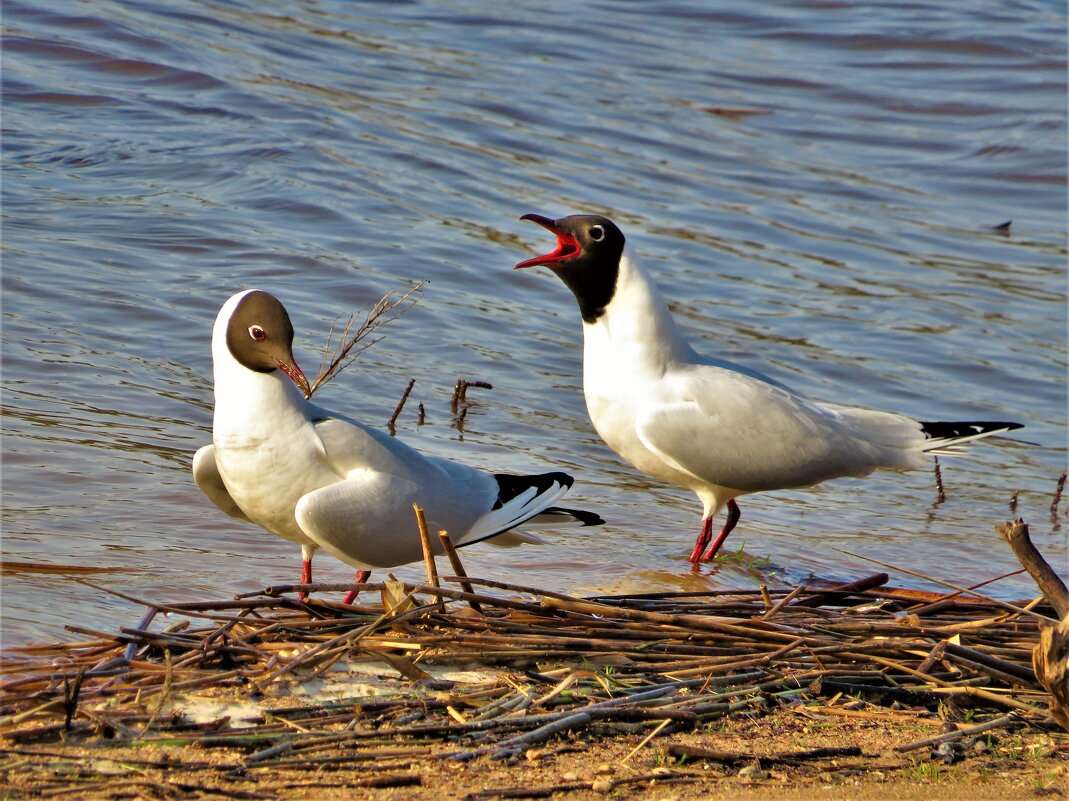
{"x": 597, "y": 233}
{"x": 257, "y": 333}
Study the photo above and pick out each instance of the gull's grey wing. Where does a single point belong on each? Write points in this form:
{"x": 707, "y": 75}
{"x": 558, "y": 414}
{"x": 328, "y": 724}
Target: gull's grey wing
{"x": 746, "y": 434}
{"x": 206, "y": 475}
{"x": 350, "y": 446}
{"x": 366, "y": 518}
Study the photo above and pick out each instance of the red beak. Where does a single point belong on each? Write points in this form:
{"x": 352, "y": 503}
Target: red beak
{"x": 567, "y": 245}
{"x": 294, "y": 372}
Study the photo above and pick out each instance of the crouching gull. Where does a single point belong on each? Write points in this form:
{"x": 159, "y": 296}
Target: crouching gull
{"x": 324, "y": 480}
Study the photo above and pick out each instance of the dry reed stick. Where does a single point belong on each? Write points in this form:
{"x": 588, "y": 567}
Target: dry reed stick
{"x": 428, "y": 553}
{"x": 425, "y": 542}
{"x": 645, "y": 740}
{"x": 391, "y": 424}
{"x": 458, "y": 567}
{"x": 387, "y": 309}
{"x": 998, "y": 723}
{"x": 1057, "y": 496}
{"x": 966, "y": 590}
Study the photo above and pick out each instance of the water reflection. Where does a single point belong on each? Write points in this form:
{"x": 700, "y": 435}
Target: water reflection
{"x": 157, "y": 160}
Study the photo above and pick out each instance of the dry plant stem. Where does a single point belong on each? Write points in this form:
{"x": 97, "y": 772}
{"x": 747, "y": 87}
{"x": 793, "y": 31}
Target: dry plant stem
{"x": 548, "y": 791}
{"x": 987, "y": 695}
{"x": 1057, "y": 496}
{"x": 716, "y": 755}
{"x": 950, "y": 596}
{"x": 933, "y": 657}
{"x": 391, "y": 424}
{"x": 458, "y": 567}
{"x": 704, "y": 623}
{"x": 1016, "y": 534}
{"x": 784, "y": 601}
{"x": 167, "y": 683}
{"x": 504, "y": 585}
{"x": 645, "y": 740}
{"x": 941, "y": 495}
{"x": 459, "y": 391}
{"x": 348, "y": 638}
{"x": 391, "y": 306}
{"x": 844, "y": 590}
{"x": 998, "y": 723}
{"x": 144, "y": 624}
{"x": 966, "y": 590}
{"x": 425, "y": 542}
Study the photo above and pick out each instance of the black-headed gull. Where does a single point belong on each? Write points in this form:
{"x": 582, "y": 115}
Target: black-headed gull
{"x": 323, "y": 480}
{"x": 710, "y": 426}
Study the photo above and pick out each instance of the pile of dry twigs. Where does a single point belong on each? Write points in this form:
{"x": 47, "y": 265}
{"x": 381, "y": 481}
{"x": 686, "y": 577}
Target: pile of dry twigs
{"x": 649, "y": 663}
{"x": 289, "y": 677}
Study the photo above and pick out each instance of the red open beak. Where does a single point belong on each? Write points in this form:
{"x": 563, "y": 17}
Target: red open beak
{"x": 294, "y": 372}
{"x": 567, "y": 245}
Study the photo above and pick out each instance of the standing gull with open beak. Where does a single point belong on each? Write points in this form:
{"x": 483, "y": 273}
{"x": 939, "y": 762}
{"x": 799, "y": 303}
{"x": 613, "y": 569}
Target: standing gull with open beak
{"x": 704, "y": 424}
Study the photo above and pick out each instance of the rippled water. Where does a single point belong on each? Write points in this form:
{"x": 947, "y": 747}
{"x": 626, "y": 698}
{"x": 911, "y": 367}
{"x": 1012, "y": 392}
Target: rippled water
{"x": 815, "y": 186}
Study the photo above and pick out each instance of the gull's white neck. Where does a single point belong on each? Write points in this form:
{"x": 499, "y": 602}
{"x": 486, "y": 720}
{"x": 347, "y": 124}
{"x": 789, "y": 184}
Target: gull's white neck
{"x": 636, "y": 330}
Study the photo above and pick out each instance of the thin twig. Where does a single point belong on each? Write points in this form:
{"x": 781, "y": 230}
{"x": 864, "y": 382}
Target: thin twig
{"x": 966, "y": 590}
{"x": 998, "y": 723}
{"x": 391, "y": 306}
{"x": 459, "y": 391}
{"x": 391, "y": 424}
{"x": 645, "y": 740}
{"x": 1057, "y": 496}
{"x": 428, "y": 552}
{"x": 458, "y": 567}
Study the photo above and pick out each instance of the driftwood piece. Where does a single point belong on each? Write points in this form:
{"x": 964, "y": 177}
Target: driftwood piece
{"x": 1050, "y": 661}
{"x": 1050, "y": 657}
{"x": 1016, "y": 534}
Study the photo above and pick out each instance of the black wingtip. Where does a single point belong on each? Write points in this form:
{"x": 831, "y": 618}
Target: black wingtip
{"x": 582, "y": 515}
{"x": 971, "y": 429}
{"x": 509, "y": 486}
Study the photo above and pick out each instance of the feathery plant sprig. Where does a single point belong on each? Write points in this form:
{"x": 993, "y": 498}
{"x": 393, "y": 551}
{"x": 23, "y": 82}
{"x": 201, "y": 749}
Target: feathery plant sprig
{"x": 337, "y": 355}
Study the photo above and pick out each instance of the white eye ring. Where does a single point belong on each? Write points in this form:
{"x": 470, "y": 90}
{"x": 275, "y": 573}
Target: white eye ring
{"x": 257, "y": 333}
{"x": 597, "y": 233}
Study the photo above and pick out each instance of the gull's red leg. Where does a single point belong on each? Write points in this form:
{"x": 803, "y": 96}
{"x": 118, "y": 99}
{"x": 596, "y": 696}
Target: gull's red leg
{"x": 361, "y": 578}
{"x": 704, "y": 536}
{"x": 732, "y": 518}
{"x": 306, "y": 576}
